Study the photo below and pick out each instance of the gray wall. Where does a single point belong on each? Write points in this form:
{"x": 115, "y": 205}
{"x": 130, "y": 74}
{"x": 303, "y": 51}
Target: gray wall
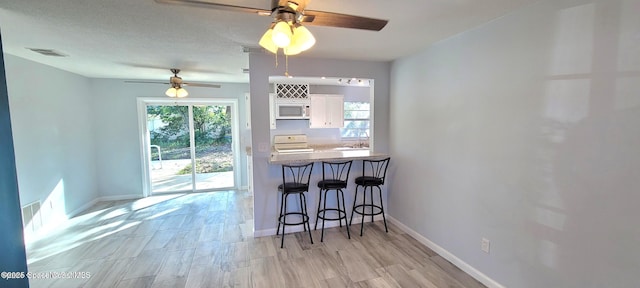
{"x": 526, "y": 131}
{"x": 51, "y": 115}
{"x": 266, "y": 177}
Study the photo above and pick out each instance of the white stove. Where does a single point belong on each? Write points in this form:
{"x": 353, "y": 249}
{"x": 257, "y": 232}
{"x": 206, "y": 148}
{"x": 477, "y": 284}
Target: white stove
{"x": 296, "y": 143}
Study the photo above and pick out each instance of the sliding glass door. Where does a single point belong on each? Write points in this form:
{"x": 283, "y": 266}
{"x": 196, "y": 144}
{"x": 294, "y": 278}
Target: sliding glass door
{"x": 170, "y": 148}
{"x": 213, "y": 153}
{"x": 189, "y": 146}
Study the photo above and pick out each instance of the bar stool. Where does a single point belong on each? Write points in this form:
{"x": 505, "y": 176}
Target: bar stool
{"x": 295, "y": 181}
{"x": 373, "y": 174}
{"x": 335, "y": 176}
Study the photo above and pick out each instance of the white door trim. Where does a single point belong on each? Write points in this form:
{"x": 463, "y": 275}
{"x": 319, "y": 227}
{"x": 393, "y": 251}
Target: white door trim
{"x": 143, "y": 134}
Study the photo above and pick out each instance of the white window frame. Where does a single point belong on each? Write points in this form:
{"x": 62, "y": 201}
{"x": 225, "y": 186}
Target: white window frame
{"x": 366, "y": 135}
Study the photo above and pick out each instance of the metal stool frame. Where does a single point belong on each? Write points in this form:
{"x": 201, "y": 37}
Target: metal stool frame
{"x": 373, "y": 175}
{"x": 295, "y": 180}
{"x": 335, "y": 176}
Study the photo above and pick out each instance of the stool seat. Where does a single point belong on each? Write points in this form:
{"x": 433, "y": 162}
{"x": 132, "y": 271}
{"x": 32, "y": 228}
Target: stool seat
{"x": 292, "y": 187}
{"x": 369, "y": 181}
{"x": 332, "y": 184}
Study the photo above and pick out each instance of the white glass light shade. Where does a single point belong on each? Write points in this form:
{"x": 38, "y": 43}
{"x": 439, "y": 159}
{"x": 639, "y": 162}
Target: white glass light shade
{"x": 302, "y": 40}
{"x": 281, "y": 34}
{"x": 171, "y": 92}
{"x": 267, "y": 43}
{"x": 181, "y": 92}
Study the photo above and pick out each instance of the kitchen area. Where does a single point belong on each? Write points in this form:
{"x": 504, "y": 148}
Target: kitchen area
{"x": 313, "y": 120}
{"x": 320, "y": 119}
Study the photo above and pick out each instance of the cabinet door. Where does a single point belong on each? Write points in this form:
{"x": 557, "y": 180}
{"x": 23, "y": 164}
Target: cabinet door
{"x": 272, "y": 110}
{"x": 334, "y": 111}
{"x": 317, "y": 119}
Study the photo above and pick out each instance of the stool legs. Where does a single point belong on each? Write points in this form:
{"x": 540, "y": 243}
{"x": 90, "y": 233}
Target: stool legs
{"x": 283, "y": 205}
{"x": 315, "y": 227}
{"x": 308, "y": 227}
{"x": 282, "y": 218}
{"x": 344, "y": 208}
{"x": 384, "y": 219}
{"x": 353, "y": 209}
{"x": 364, "y": 205}
{"x": 322, "y": 211}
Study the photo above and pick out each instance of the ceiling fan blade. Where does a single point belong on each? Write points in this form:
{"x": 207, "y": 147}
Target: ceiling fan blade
{"x": 146, "y": 82}
{"x": 202, "y": 85}
{"x": 331, "y": 19}
{"x": 218, "y": 6}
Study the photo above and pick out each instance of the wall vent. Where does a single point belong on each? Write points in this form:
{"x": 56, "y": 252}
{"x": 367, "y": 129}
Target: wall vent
{"x": 31, "y": 218}
{"x": 292, "y": 91}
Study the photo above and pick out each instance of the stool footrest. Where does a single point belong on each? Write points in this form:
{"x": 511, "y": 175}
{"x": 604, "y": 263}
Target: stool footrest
{"x": 305, "y": 218}
{"x": 363, "y": 213}
{"x": 341, "y": 214}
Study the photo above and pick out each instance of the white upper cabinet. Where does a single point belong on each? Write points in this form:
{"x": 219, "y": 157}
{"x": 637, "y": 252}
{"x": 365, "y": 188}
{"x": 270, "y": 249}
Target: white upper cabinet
{"x": 327, "y": 111}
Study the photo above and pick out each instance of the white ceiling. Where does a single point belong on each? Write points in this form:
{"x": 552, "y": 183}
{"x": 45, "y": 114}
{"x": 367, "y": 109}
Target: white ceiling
{"x": 141, "y": 39}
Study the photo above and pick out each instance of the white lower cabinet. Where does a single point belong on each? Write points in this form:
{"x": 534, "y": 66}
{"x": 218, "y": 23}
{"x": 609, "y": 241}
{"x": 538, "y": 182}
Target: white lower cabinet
{"x": 327, "y": 111}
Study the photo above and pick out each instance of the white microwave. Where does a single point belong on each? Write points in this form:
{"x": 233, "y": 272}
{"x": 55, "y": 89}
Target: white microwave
{"x": 292, "y": 109}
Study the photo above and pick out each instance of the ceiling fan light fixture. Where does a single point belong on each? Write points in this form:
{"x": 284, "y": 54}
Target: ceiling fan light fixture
{"x": 179, "y": 92}
{"x": 301, "y": 41}
{"x": 281, "y": 34}
{"x": 171, "y": 92}
{"x": 266, "y": 41}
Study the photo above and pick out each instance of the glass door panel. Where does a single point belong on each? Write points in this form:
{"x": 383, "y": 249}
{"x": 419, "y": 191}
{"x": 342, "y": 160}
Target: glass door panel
{"x": 213, "y": 146}
{"x": 170, "y": 148}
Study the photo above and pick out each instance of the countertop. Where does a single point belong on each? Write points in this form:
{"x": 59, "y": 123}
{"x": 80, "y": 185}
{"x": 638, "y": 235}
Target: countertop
{"x": 324, "y": 155}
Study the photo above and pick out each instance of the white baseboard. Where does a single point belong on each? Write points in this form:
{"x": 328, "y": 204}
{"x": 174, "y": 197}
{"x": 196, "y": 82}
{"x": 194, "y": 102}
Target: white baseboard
{"x": 473, "y": 272}
{"x": 119, "y": 197}
{"x": 82, "y": 208}
{"x": 299, "y": 228}
{"x": 33, "y": 236}
{"x": 88, "y": 205}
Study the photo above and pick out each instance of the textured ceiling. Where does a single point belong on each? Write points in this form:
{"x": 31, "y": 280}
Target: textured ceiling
{"x": 141, "y": 39}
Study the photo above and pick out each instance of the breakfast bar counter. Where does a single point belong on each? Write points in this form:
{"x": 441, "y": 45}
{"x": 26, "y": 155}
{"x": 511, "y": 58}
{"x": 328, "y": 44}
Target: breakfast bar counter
{"x": 324, "y": 155}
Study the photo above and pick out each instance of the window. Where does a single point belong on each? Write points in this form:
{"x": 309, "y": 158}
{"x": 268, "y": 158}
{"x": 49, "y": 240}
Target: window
{"x": 356, "y": 120}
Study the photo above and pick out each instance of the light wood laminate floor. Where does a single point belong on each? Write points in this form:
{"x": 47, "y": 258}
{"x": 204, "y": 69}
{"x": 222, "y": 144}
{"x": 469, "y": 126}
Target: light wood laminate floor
{"x": 205, "y": 240}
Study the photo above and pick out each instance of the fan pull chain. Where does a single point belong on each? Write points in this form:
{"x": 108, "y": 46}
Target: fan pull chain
{"x": 276, "y": 59}
{"x": 286, "y": 65}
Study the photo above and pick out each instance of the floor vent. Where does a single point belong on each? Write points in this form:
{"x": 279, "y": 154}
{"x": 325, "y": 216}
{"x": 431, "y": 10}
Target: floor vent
{"x": 31, "y": 217}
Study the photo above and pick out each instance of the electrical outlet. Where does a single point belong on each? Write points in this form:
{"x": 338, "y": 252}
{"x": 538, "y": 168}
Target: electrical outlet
{"x": 485, "y": 245}
{"x": 263, "y": 147}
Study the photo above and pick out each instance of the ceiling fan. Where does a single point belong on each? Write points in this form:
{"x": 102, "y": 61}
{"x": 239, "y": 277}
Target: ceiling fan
{"x": 176, "y": 89}
{"x": 286, "y": 31}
